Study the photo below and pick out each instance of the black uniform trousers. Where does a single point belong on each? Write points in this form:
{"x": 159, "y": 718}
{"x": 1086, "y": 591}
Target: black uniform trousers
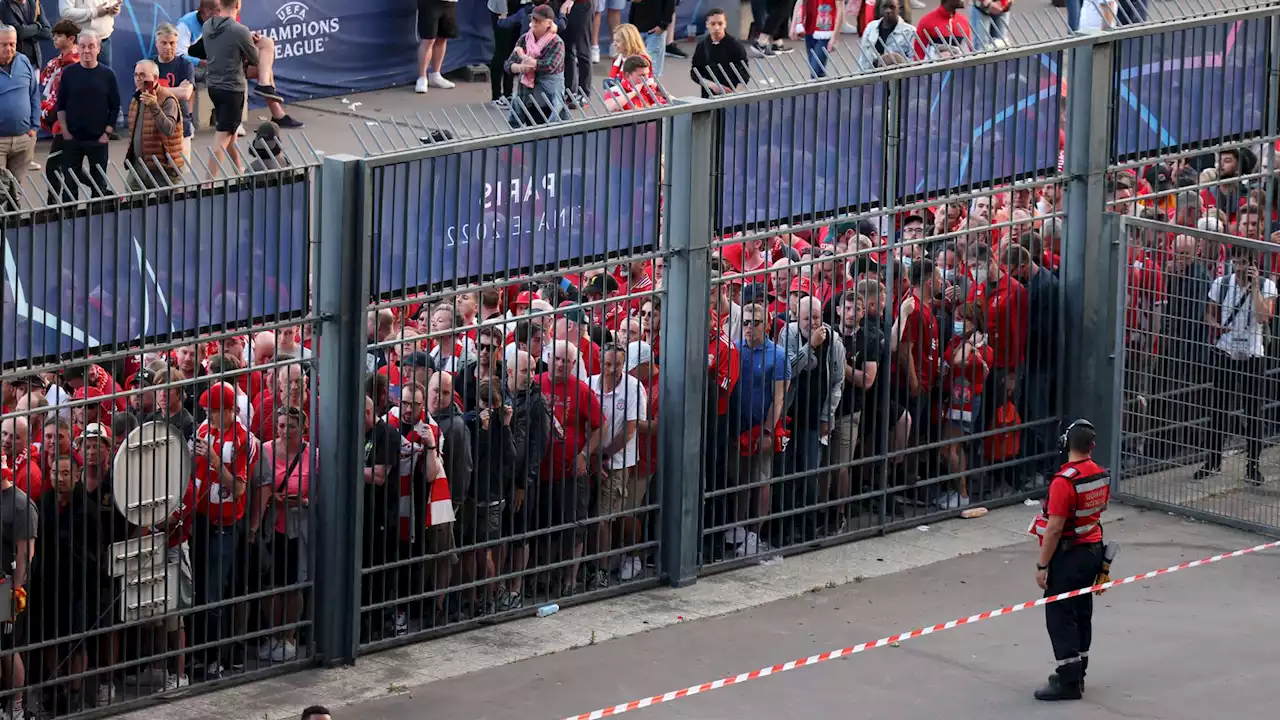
{"x": 1070, "y": 622}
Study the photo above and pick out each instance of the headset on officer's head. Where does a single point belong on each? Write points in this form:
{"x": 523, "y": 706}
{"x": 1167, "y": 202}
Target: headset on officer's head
{"x": 1063, "y": 438}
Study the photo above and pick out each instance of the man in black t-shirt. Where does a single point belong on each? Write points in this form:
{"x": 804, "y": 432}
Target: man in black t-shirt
{"x": 18, "y": 529}
{"x": 871, "y": 344}
{"x": 381, "y": 516}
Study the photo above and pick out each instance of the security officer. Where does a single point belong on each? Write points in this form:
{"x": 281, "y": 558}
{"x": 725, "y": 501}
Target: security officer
{"x": 1071, "y": 557}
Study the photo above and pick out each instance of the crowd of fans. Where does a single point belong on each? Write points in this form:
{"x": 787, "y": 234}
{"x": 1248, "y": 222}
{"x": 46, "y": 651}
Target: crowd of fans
{"x": 74, "y": 97}
{"x": 855, "y": 373}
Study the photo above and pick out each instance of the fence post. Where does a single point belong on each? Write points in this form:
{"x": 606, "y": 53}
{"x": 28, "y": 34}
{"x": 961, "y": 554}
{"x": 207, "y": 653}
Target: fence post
{"x": 689, "y": 188}
{"x": 1272, "y": 126}
{"x": 1090, "y": 268}
{"x": 342, "y": 298}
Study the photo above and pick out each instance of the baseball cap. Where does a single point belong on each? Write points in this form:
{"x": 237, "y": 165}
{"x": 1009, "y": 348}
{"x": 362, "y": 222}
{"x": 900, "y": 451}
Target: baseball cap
{"x": 868, "y": 228}
{"x": 266, "y": 139}
{"x": 601, "y": 285}
{"x": 86, "y": 392}
{"x": 573, "y": 314}
{"x": 801, "y": 285}
{"x": 525, "y": 298}
{"x": 756, "y": 292}
{"x": 94, "y": 430}
{"x": 638, "y": 353}
{"x": 144, "y": 378}
{"x": 419, "y": 360}
{"x": 220, "y": 396}
{"x": 1158, "y": 178}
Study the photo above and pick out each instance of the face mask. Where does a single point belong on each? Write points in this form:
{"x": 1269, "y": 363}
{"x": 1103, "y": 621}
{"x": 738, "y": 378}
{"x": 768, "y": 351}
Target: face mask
{"x": 980, "y": 275}
{"x": 949, "y": 274}
{"x": 906, "y": 263}
{"x": 957, "y": 327}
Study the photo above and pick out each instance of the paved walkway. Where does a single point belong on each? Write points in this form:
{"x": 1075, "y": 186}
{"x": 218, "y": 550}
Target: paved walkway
{"x": 1183, "y": 646}
{"x": 357, "y": 123}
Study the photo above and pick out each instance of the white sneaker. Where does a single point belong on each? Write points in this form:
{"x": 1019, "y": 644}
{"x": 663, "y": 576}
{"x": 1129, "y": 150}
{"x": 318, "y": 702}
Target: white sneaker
{"x": 918, "y": 4}
{"x": 173, "y": 681}
{"x": 595, "y": 54}
{"x": 735, "y": 536}
{"x": 631, "y": 567}
{"x": 964, "y": 501}
{"x": 420, "y": 86}
{"x": 286, "y": 651}
{"x": 436, "y": 80}
{"x": 106, "y": 694}
{"x": 240, "y": 130}
{"x": 265, "y": 648}
{"x": 34, "y": 166}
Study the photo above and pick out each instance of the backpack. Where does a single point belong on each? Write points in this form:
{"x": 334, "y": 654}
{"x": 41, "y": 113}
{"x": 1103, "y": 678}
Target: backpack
{"x": 1006, "y": 445}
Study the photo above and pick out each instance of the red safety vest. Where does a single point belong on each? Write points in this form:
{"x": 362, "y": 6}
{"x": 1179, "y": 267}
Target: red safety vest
{"x": 1092, "y": 485}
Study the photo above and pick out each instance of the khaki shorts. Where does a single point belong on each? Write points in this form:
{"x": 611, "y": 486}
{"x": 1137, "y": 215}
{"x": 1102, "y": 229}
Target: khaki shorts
{"x": 846, "y": 432}
{"x": 186, "y": 586}
{"x": 621, "y": 490}
{"x": 752, "y": 468}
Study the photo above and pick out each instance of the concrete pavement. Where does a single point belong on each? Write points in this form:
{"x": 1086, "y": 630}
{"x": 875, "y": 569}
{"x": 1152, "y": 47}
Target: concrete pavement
{"x": 364, "y": 122}
{"x": 1187, "y": 646}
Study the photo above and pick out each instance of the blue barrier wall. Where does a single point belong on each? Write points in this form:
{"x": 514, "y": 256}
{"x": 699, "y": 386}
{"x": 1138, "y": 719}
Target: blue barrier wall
{"x": 118, "y": 273}
{"x": 511, "y": 209}
{"x": 1172, "y": 88}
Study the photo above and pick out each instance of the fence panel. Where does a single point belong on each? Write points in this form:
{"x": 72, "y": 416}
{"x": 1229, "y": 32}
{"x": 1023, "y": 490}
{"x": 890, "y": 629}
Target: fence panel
{"x": 884, "y": 323}
{"x": 157, "y": 441}
{"x": 1200, "y": 374}
{"x": 886, "y": 291}
{"x": 517, "y": 301}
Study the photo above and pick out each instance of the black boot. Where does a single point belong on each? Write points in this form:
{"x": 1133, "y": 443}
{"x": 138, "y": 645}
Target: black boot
{"x": 1054, "y": 678}
{"x": 1059, "y": 689}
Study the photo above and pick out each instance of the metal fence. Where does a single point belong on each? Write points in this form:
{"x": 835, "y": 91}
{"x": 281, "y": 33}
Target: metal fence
{"x": 593, "y": 356}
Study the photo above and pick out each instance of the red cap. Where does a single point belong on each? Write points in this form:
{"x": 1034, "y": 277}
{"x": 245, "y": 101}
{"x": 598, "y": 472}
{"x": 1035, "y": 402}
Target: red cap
{"x": 218, "y": 397}
{"x": 525, "y": 298}
{"x": 86, "y": 392}
{"x": 802, "y": 285}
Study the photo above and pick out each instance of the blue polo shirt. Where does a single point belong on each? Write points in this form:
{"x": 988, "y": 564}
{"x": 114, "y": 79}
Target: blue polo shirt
{"x": 19, "y": 98}
{"x": 761, "y": 368}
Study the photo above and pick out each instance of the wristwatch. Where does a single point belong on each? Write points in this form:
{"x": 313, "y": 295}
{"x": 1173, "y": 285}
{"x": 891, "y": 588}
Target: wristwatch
{"x": 1041, "y": 567}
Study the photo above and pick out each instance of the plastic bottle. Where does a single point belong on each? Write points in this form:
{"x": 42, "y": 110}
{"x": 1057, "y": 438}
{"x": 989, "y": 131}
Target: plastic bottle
{"x": 973, "y": 513}
{"x": 546, "y": 610}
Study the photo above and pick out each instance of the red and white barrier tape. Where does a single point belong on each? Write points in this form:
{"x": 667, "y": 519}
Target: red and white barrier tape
{"x": 842, "y": 652}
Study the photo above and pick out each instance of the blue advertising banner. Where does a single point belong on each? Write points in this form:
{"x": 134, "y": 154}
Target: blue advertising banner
{"x": 816, "y": 155}
{"x": 116, "y": 274}
{"x": 802, "y": 156}
{"x": 980, "y": 124}
{"x": 509, "y": 209}
{"x": 1190, "y": 86}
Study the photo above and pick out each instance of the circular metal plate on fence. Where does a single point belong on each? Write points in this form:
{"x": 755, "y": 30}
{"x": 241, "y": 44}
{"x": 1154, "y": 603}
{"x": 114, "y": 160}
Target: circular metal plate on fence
{"x": 150, "y": 474}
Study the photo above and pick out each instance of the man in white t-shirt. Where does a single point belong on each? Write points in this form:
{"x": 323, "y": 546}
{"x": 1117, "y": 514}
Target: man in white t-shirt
{"x": 624, "y": 403}
{"x": 1241, "y": 303}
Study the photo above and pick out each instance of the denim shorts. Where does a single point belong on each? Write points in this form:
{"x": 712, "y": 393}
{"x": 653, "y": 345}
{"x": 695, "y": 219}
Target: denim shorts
{"x": 602, "y": 5}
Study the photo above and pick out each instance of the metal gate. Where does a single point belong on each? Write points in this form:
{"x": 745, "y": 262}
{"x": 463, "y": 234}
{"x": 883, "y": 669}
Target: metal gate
{"x": 1198, "y": 371}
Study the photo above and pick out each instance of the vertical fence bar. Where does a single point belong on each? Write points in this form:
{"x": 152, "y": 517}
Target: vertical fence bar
{"x": 342, "y": 295}
{"x": 1089, "y": 267}
{"x": 682, "y": 386}
{"x": 1271, "y": 128}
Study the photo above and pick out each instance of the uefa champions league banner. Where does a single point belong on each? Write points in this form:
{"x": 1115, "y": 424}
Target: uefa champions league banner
{"x": 120, "y": 272}
{"x": 985, "y": 124}
{"x": 802, "y": 156}
{"x": 1191, "y": 86}
{"x": 509, "y": 210}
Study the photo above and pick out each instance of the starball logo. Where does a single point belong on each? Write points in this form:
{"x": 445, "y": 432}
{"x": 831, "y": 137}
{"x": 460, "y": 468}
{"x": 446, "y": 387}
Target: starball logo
{"x": 296, "y": 36}
{"x": 292, "y": 11}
